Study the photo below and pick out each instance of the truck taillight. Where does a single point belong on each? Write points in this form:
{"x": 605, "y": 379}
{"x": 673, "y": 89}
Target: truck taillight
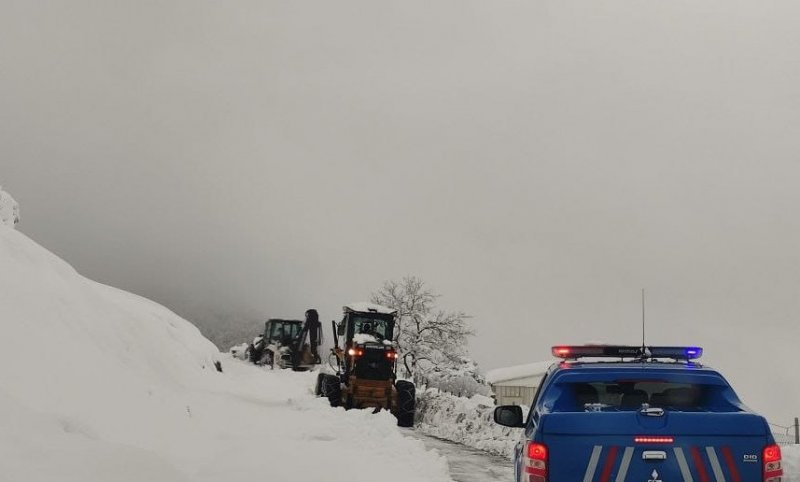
{"x": 534, "y": 462}
{"x": 773, "y": 471}
{"x": 391, "y": 354}
{"x": 355, "y": 352}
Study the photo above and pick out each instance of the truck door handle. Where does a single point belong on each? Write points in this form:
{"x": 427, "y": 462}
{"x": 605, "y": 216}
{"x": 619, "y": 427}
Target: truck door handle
{"x": 654, "y": 455}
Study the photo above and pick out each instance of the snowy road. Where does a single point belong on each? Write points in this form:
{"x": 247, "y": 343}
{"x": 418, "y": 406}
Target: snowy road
{"x": 467, "y": 464}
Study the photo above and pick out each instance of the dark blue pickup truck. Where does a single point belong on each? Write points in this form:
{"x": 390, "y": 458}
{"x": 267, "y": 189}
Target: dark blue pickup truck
{"x": 639, "y": 414}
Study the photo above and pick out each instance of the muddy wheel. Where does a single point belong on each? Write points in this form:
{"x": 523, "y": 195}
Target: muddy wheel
{"x": 406, "y": 403}
{"x": 318, "y": 387}
{"x": 332, "y": 389}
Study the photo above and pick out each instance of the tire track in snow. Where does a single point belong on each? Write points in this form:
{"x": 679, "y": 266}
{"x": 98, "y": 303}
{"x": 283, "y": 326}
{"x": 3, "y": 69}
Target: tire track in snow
{"x": 468, "y": 464}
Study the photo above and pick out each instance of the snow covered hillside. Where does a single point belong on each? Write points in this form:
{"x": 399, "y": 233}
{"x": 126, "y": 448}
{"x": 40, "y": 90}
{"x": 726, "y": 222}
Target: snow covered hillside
{"x": 97, "y": 384}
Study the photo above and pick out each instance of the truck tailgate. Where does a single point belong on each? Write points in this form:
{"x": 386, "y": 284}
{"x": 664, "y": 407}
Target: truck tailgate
{"x": 627, "y": 446}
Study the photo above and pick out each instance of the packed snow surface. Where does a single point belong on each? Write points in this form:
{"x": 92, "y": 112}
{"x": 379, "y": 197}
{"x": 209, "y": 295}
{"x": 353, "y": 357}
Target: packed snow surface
{"x": 97, "y": 384}
{"x": 365, "y": 307}
{"x": 468, "y": 464}
{"x": 9, "y": 209}
{"x": 537, "y": 369}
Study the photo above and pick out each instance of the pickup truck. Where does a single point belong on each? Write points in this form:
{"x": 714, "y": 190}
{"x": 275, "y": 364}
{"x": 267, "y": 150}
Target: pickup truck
{"x": 639, "y": 414}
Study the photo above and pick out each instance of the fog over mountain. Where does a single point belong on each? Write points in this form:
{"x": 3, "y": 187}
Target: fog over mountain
{"x": 536, "y": 162}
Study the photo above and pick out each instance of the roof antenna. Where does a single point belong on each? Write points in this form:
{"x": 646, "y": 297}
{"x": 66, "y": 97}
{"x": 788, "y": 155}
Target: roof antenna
{"x": 643, "y": 345}
{"x": 645, "y": 351}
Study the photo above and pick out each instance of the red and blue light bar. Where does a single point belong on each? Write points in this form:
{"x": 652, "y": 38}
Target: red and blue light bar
{"x": 573, "y": 352}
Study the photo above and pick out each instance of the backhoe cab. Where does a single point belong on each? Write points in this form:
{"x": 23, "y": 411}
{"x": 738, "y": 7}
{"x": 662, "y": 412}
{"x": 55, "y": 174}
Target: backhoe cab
{"x": 283, "y": 344}
{"x": 366, "y": 364}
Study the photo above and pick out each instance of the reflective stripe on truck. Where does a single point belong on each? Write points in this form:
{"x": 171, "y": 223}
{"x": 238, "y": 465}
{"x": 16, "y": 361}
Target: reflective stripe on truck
{"x": 684, "y": 464}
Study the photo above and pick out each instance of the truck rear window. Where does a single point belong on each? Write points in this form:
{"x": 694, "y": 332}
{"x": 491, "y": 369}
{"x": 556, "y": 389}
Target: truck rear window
{"x": 631, "y": 395}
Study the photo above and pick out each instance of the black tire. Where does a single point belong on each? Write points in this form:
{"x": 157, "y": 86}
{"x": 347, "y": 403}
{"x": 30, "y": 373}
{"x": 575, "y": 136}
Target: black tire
{"x": 318, "y": 387}
{"x": 406, "y": 403}
{"x": 332, "y": 389}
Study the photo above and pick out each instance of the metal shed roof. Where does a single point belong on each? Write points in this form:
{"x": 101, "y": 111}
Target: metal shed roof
{"x": 518, "y": 371}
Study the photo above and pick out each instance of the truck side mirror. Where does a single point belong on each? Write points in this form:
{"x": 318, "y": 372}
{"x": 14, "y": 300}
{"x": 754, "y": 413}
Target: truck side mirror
{"x": 509, "y": 416}
{"x": 342, "y": 328}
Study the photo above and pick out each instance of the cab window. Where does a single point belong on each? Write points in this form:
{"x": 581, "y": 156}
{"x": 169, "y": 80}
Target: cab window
{"x": 633, "y": 395}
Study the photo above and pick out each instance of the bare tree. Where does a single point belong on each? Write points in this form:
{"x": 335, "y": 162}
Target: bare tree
{"x": 429, "y": 338}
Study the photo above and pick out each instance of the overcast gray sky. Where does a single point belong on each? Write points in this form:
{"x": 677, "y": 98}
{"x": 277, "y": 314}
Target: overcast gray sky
{"x": 536, "y": 162}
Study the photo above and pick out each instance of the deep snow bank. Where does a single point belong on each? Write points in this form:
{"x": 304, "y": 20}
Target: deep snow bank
{"x": 82, "y": 350}
{"x": 9, "y": 209}
{"x": 99, "y": 385}
{"x": 468, "y": 421}
{"x": 87, "y": 372}
{"x": 791, "y": 463}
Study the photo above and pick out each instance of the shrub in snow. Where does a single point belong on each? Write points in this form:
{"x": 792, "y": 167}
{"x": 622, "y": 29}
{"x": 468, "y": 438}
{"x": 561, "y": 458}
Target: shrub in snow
{"x": 462, "y": 380}
{"x": 468, "y": 421}
{"x": 9, "y": 209}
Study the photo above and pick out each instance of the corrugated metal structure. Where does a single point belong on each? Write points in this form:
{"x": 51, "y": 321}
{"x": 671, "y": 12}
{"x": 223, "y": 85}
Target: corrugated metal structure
{"x": 517, "y": 385}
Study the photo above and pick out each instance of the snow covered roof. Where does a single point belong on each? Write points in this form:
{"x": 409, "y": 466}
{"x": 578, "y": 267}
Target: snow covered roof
{"x": 366, "y": 307}
{"x": 364, "y": 338}
{"x": 518, "y": 371}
